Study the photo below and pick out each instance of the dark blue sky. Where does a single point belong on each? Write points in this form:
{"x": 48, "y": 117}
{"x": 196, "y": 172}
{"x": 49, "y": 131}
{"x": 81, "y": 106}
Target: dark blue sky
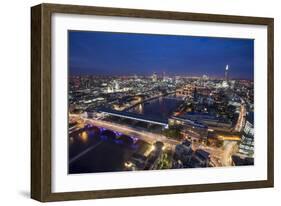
{"x": 107, "y": 53}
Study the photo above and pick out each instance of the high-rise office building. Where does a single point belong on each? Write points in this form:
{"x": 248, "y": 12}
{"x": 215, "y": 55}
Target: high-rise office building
{"x": 116, "y": 85}
{"x": 226, "y": 78}
{"x": 154, "y": 77}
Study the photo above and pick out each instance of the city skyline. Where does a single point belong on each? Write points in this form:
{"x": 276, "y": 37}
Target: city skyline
{"x": 123, "y": 54}
{"x": 153, "y": 102}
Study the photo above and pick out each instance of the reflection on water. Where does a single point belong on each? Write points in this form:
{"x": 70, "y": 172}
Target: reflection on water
{"x": 94, "y": 149}
{"x": 84, "y": 136}
{"x": 140, "y": 108}
{"x": 161, "y": 107}
{"x": 100, "y": 150}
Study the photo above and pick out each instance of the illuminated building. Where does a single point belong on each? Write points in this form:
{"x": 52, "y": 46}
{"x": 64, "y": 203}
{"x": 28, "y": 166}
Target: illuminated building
{"x": 109, "y": 89}
{"x": 116, "y": 85}
{"x": 165, "y": 78}
{"x": 200, "y": 158}
{"x": 225, "y": 83}
{"x": 154, "y": 77}
{"x": 246, "y": 146}
{"x": 226, "y": 73}
{"x": 189, "y": 158}
{"x": 205, "y": 77}
{"x": 186, "y": 91}
{"x": 183, "y": 152}
{"x": 199, "y": 130}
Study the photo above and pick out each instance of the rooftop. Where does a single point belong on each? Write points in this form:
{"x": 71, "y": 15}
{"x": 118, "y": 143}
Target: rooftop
{"x": 250, "y": 117}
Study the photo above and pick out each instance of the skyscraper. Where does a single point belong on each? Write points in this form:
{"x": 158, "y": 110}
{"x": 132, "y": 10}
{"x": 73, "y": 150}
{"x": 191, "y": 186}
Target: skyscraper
{"x": 116, "y": 85}
{"x": 154, "y": 77}
{"x": 226, "y": 73}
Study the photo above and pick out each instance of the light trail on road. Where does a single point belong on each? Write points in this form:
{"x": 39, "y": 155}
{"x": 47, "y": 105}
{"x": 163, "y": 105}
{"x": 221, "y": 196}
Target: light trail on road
{"x": 218, "y": 156}
{"x": 147, "y": 136}
{"x": 241, "y": 118}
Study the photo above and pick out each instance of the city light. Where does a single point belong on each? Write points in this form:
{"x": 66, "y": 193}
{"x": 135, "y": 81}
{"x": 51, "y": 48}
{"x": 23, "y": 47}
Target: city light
{"x": 84, "y": 136}
{"x": 165, "y": 115}
{"x": 128, "y": 164}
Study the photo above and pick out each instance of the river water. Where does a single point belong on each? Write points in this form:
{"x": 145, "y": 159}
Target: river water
{"x": 162, "y": 107}
{"x": 94, "y": 150}
{"x": 99, "y": 150}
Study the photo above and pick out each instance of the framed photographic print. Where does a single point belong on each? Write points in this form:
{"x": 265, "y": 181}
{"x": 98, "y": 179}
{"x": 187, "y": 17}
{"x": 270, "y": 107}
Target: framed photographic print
{"x": 132, "y": 102}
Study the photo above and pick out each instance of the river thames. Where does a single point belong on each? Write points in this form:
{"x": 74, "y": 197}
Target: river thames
{"x": 162, "y": 107}
{"x": 96, "y": 149}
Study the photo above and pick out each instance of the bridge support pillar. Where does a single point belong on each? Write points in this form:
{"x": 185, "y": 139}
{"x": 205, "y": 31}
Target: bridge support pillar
{"x": 149, "y": 125}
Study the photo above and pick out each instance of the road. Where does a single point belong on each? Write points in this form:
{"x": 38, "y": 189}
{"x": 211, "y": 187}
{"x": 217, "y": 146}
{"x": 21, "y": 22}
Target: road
{"x": 241, "y": 119}
{"x": 130, "y": 131}
{"x": 228, "y": 151}
{"x": 218, "y": 156}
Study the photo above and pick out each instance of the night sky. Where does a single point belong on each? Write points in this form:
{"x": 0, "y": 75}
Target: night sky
{"x": 107, "y": 53}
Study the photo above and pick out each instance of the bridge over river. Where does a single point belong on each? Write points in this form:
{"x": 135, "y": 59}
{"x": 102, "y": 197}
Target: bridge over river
{"x": 135, "y": 116}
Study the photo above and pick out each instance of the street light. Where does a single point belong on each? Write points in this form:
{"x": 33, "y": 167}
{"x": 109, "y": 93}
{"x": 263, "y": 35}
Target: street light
{"x": 128, "y": 164}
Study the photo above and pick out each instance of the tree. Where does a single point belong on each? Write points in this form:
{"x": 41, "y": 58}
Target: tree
{"x": 173, "y": 132}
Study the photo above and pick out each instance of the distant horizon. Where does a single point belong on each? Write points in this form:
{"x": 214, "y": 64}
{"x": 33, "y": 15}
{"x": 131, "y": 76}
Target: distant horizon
{"x": 148, "y": 76}
{"x": 126, "y": 54}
